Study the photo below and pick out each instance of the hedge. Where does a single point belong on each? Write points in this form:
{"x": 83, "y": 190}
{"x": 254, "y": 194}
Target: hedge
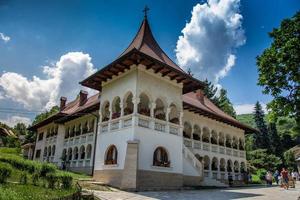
{"x": 5, "y": 172}
{"x": 28, "y": 165}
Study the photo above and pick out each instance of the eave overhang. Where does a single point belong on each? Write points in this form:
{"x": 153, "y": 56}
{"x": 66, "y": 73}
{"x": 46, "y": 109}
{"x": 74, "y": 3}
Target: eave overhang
{"x": 217, "y": 117}
{"x": 137, "y": 57}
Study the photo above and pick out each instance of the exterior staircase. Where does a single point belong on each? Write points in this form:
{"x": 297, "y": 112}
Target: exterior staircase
{"x": 189, "y": 155}
{"x": 198, "y": 166}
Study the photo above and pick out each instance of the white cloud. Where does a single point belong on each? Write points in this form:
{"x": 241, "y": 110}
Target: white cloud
{"x": 248, "y": 108}
{"x": 3, "y": 37}
{"x": 13, "y": 120}
{"x": 61, "y": 80}
{"x": 210, "y": 38}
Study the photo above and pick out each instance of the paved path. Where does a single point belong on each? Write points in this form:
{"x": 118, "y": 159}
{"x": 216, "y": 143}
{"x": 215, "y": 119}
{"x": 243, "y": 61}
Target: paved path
{"x": 246, "y": 193}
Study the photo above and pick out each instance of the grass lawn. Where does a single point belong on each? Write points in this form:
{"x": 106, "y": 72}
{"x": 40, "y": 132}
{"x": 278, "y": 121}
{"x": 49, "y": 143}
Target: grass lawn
{"x": 11, "y": 191}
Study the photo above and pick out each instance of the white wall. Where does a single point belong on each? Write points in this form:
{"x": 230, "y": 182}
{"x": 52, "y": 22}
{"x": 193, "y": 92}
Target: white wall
{"x": 150, "y": 140}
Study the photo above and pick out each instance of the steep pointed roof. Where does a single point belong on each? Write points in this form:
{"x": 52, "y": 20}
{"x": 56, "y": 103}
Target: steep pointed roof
{"x": 146, "y": 43}
{"x": 143, "y": 50}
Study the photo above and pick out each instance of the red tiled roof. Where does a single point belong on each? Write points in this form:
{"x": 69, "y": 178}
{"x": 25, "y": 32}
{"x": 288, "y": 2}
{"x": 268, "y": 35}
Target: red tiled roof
{"x": 146, "y": 43}
{"x": 210, "y": 110}
{"x": 72, "y": 109}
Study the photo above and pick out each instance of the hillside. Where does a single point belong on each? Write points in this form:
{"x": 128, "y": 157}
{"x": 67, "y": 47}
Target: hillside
{"x": 246, "y": 119}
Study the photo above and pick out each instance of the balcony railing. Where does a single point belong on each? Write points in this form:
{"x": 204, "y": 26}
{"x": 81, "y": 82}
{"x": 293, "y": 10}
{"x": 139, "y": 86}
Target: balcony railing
{"x": 141, "y": 121}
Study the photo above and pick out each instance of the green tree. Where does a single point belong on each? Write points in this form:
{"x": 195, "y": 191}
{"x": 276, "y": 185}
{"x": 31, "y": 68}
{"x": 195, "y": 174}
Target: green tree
{"x": 279, "y": 69}
{"x": 224, "y": 103}
{"x": 275, "y": 141}
{"x": 210, "y": 91}
{"x": 289, "y": 160}
{"x": 20, "y": 129}
{"x": 261, "y": 139}
{"x": 261, "y": 159}
{"x": 45, "y": 115}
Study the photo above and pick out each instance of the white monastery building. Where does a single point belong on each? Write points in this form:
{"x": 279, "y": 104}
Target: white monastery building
{"x": 149, "y": 127}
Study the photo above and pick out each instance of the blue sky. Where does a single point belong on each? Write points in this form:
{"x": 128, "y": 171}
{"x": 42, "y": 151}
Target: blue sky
{"x": 41, "y": 32}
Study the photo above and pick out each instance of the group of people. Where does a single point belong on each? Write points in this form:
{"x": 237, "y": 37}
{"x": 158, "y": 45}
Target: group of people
{"x": 284, "y": 178}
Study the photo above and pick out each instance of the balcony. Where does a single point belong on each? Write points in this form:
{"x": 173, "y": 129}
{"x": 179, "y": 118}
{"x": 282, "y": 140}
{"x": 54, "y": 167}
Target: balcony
{"x": 141, "y": 121}
{"x": 205, "y": 146}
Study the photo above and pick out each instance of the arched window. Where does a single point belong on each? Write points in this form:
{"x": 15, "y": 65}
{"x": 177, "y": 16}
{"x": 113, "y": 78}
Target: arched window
{"x": 221, "y": 139}
{"x": 64, "y": 155}
{"x": 222, "y": 164}
{"x": 241, "y": 144}
{"x": 72, "y": 131}
{"x": 78, "y": 130}
{"x": 228, "y": 141}
{"x": 229, "y": 165}
{"x": 85, "y": 127}
{"x": 143, "y": 107}
{"x": 235, "y": 142}
{"x": 45, "y": 152}
{"x": 49, "y": 151}
{"x": 70, "y": 154}
{"x": 56, "y": 130}
{"x": 160, "y": 157}
{"x": 105, "y": 111}
{"x": 187, "y": 130}
{"x": 67, "y": 133}
{"x": 53, "y": 150}
{"x": 206, "y": 135}
{"x": 243, "y": 167}
{"x": 116, "y": 109}
{"x": 75, "y": 153}
{"x": 236, "y": 166}
{"x": 214, "y": 164}
{"x": 111, "y": 156}
{"x": 206, "y": 162}
{"x": 128, "y": 104}
{"x": 197, "y": 132}
{"x": 91, "y": 126}
{"x": 198, "y": 157}
{"x": 174, "y": 114}
{"x": 88, "y": 151}
{"x": 82, "y": 152}
{"x": 214, "y": 137}
{"x": 159, "y": 111}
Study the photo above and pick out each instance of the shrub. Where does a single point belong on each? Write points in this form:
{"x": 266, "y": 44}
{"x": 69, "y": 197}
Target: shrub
{"x": 23, "y": 178}
{"x": 5, "y": 172}
{"x": 35, "y": 178}
{"x": 51, "y": 179}
{"x": 8, "y": 150}
{"x": 66, "y": 180}
{"x": 47, "y": 168}
{"x": 20, "y": 163}
{"x": 261, "y": 173}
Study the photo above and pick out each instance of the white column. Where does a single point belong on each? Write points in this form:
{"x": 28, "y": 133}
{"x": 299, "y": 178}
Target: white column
{"x": 121, "y": 114}
{"x": 167, "y": 119}
{"x": 135, "y": 102}
{"x": 181, "y": 123}
{"x": 152, "y": 108}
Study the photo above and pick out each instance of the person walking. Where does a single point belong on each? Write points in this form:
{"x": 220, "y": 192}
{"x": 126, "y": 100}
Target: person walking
{"x": 269, "y": 178}
{"x": 276, "y": 176}
{"x": 285, "y": 178}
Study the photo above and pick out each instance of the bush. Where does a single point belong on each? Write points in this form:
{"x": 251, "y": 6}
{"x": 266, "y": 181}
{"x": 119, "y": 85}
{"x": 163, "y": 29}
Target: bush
{"x": 35, "y": 178}
{"x": 5, "y": 172}
{"x": 66, "y": 180}
{"x": 261, "y": 173}
{"x": 51, "y": 179}
{"x": 47, "y": 168}
{"x": 20, "y": 163}
{"x": 8, "y": 150}
{"x": 23, "y": 178}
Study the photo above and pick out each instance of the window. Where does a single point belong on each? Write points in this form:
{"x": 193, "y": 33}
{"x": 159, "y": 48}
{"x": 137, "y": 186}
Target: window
{"x": 111, "y": 156}
{"x": 41, "y": 135}
{"x": 38, "y": 153}
{"x": 160, "y": 157}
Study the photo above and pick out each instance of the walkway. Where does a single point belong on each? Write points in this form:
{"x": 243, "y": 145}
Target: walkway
{"x": 245, "y": 193}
